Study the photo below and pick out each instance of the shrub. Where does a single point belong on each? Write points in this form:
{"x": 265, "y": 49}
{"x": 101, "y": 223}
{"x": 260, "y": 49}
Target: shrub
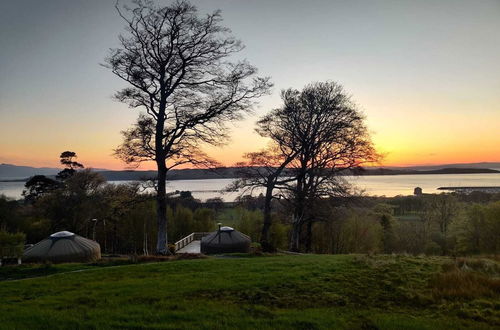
{"x": 249, "y": 222}
{"x": 458, "y": 284}
{"x": 11, "y": 245}
{"x": 279, "y": 235}
{"x": 204, "y": 219}
{"x": 432, "y": 248}
{"x": 255, "y": 248}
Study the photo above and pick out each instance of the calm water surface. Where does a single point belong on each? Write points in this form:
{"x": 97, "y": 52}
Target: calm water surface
{"x": 388, "y": 185}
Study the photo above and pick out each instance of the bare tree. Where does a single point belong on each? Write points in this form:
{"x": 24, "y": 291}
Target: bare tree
{"x": 333, "y": 139}
{"x": 318, "y": 133}
{"x": 176, "y": 63}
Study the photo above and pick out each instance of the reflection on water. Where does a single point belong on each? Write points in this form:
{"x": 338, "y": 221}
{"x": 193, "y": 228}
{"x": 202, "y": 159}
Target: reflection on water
{"x": 388, "y": 185}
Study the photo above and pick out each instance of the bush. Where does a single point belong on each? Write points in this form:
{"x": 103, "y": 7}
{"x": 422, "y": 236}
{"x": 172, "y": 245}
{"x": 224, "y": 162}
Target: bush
{"x": 478, "y": 231}
{"x": 279, "y": 235}
{"x": 362, "y": 235}
{"x": 204, "y": 220}
{"x": 432, "y": 248}
{"x": 255, "y": 248}
{"x": 249, "y": 222}
{"x": 462, "y": 284}
{"x": 11, "y": 245}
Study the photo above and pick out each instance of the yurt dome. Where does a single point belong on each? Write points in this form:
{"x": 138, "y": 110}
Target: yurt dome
{"x": 64, "y": 246}
{"x": 225, "y": 240}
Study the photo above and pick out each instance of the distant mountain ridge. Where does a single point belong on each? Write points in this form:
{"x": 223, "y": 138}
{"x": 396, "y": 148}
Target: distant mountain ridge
{"x": 232, "y": 172}
{"x": 16, "y": 172}
{"x": 10, "y": 172}
{"x": 483, "y": 165}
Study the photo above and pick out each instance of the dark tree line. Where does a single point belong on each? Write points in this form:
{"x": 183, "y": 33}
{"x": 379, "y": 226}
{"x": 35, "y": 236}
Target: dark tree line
{"x": 80, "y": 200}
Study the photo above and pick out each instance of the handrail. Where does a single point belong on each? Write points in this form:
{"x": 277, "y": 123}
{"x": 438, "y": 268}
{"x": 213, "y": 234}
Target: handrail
{"x": 196, "y": 236}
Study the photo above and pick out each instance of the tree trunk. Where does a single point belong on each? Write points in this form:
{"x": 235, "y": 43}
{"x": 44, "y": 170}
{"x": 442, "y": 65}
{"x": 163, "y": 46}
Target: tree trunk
{"x": 309, "y": 236}
{"x": 145, "y": 240}
{"x": 115, "y": 238}
{"x": 295, "y": 239}
{"x": 298, "y": 218}
{"x": 161, "y": 210}
{"x": 264, "y": 238}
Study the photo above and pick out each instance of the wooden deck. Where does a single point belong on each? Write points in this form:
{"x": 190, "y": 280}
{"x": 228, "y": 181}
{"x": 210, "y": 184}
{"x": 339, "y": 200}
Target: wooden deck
{"x": 192, "y": 248}
{"x": 190, "y": 244}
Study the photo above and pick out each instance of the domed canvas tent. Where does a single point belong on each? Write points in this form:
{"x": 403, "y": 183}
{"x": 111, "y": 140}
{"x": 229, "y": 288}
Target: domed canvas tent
{"x": 64, "y": 246}
{"x": 225, "y": 240}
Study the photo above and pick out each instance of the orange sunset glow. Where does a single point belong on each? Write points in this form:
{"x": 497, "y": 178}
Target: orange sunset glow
{"x": 250, "y": 164}
{"x": 428, "y": 84}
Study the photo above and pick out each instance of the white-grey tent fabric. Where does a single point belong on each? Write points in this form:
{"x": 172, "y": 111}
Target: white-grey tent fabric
{"x": 64, "y": 247}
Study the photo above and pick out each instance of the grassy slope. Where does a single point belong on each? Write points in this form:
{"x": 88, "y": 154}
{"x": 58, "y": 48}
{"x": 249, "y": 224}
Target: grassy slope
{"x": 270, "y": 292}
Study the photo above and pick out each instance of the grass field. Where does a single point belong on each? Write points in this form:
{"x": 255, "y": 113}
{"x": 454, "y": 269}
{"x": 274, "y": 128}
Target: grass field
{"x": 274, "y": 292}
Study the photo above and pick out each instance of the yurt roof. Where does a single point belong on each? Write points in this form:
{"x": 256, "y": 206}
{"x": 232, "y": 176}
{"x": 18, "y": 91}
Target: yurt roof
{"x": 64, "y": 246}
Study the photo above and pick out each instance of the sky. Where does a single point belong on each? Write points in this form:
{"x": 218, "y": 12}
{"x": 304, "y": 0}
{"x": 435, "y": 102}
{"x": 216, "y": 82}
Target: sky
{"x": 425, "y": 73}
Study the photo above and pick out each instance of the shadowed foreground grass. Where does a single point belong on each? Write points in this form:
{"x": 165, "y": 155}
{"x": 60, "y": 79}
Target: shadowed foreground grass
{"x": 305, "y": 292}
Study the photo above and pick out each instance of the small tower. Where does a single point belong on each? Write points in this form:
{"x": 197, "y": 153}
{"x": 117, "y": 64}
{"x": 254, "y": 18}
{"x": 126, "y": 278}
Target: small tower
{"x": 417, "y": 191}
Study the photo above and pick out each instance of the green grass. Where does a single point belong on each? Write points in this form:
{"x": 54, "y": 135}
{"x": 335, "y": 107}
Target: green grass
{"x": 14, "y": 272}
{"x": 275, "y": 292}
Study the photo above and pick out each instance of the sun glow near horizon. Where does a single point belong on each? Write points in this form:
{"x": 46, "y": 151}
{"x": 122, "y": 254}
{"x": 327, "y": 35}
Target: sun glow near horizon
{"x": 425, "y": 138}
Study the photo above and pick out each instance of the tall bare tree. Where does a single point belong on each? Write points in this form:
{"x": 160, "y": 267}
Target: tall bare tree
{"x": 316, "y": 135}
{"x": 333, "y": 139}
{"x": 177, "y": 65}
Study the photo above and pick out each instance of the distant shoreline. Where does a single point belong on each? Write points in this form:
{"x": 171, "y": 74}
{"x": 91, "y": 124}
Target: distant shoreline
{"x": 231, "y": 173}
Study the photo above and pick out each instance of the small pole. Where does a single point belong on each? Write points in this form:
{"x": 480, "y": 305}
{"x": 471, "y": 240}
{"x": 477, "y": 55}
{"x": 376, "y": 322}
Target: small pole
{"x": 219, "y": 224}
{"x": 93, "y": 230}
{"x": 105, "y": 245}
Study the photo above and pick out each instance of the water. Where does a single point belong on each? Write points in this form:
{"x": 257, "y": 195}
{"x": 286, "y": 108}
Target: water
{"x": 388, "y": 185}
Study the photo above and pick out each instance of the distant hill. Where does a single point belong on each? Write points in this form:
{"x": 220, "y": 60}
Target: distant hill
{"x": 231, "y": 172}
{"x": 408, "y": 171}
{"x": 17, "y": 172}
{"x": 180, "y": 174}
{"x": 482, "y": 165}
{"x": 21, "y": 173}
{"x": 13, "y": 172}
{"x": 10, "y": 172}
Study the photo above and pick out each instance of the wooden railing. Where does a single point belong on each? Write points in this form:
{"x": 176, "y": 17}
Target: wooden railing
{"x": 188, "y": 239}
